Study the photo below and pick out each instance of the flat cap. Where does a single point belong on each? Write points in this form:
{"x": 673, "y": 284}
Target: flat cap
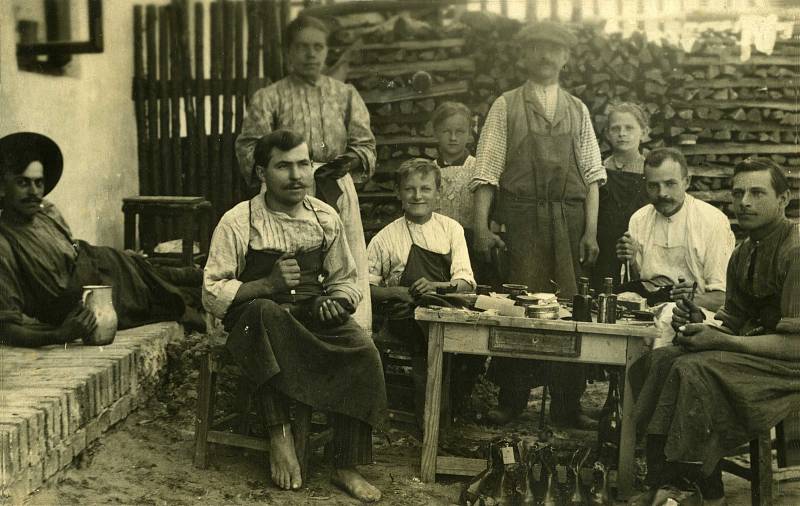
{"x": 549, "y": 31}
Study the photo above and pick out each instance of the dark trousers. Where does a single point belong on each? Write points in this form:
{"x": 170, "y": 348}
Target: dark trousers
{"x": 516, "y": 377}
{"x": 661, "y": 473}
{"x": 352, "y": 438}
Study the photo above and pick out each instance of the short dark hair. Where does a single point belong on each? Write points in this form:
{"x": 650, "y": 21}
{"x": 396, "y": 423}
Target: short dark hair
{"x": 280, "y": 139}
{"x": 658, "y": 156}
{"x": 421, "y": 166}
{"x": 300, "y": 23}
{"x": 448, "y": 109}
{"x": 756, "y": 164}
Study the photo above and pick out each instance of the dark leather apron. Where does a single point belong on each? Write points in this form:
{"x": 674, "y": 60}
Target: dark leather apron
{"x": 331, "y": 368}
{"x": 542, "y": 194}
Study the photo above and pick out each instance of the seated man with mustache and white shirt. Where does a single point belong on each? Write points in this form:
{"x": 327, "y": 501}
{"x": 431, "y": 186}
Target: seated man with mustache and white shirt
{"x": 677, "y": 239}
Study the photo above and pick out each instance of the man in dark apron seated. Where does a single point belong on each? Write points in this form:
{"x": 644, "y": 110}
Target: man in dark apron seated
{"x": 721, "y": 386}
{"x": 282, "y": 279}
{"x": 676, "y": 237}
{"x": 43, "y": 267}
{"x": 413, "y": 256}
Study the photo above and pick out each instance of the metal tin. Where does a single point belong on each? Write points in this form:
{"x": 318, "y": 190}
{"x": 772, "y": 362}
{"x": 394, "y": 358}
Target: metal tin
{"x": 543, "y": 311}
{"x": 544, "y": 298}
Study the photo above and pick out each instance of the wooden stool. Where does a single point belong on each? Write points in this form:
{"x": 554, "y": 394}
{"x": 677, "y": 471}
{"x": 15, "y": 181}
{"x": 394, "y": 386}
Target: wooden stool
{"x": 193, "y": 212}
{"x": 760, "y": 474}
{"x": 206, "y": 427}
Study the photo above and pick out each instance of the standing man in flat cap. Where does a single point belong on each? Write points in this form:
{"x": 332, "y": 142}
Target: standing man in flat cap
{"x": 539, "y": 168}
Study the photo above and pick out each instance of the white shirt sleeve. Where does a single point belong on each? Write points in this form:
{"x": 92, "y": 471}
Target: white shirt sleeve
{"x": 226, "y": 254}
{"x": 720, "y": 242}
{"x": 460, "y": 266}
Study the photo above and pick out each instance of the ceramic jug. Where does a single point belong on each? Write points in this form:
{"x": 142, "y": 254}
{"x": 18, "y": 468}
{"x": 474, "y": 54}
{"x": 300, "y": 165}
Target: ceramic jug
{"x": 97, "y": 299}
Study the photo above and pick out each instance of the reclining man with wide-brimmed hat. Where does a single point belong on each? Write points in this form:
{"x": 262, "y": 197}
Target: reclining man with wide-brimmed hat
{"x": 43, "y": 267}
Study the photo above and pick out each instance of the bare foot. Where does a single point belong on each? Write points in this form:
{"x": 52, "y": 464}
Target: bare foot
{"x": 283, "y": 465}
{"x": 354, "y": 484}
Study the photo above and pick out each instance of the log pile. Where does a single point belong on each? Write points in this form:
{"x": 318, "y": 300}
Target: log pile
{"x": 715, "y": 108}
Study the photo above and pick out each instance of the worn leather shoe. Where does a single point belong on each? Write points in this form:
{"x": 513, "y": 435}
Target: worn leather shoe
{"x": 499, "y": 416}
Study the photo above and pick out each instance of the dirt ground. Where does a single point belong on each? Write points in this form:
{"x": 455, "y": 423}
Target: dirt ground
{"x": 147, "y": 459}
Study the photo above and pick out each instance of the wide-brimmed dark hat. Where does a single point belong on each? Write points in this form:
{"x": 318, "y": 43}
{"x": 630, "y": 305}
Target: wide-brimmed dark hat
{"x": 48, "y": 154}
{"x": 549, "y": 31}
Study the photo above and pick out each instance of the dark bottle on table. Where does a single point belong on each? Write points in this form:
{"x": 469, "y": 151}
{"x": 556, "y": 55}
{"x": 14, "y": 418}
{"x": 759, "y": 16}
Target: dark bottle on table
{"x": 607, "y": 303}
{"x": 582, "y": 302}
{"x": 608, "y": 430}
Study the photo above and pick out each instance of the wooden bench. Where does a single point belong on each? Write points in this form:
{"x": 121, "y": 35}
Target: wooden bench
{"x": 207, "y": 428}
{"x": 193, "y": 213}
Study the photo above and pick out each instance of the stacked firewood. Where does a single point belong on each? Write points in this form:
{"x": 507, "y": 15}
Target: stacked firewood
{"x": 717, "y": 109}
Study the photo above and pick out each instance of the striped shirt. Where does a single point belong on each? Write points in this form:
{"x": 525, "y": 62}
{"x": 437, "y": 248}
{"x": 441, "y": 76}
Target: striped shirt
{"x": 491, "y": 156}
{"x": 388, "y": 250}
{"x": 275, "y": 231}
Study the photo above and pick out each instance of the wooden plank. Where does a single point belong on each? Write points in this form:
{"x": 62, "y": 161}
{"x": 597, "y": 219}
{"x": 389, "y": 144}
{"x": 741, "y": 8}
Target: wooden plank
{"x": 142, "y": 137}
{"x": 736, "y": 126}
{"x": 723, "y": 196}
{"x": 226, "y": 162}
{"x": 239, "y": 441}
{"x": 253, "y": 46}
{"x": 459, "y": 466}
{"x": 151, "y": 20}
{"x": 175, "y": 98}
{"x": 265, "y": 15}
{"x": 433, "y": 393}
{"x": 216, "y": 64}
{"x": 399, "y": 69}
{"x": 190, "y": 116}
{"x": 789, "y": 61}
{"x": 734, "y": 149}
{"x": 735, "y": 104}
{"x": 383, "y": 140}
{"x": 240, "y": 92}
{"x": 413, "y": 45}
{"x": 727, "y": 172}
{"x": 380, "y": 96}
{"x": 200, "y": 93}
{"x": 344, "y": 8}
{"x": 163, "y": 229}
{"x": 744, "y": 82}
{"x": 761, "y": 470}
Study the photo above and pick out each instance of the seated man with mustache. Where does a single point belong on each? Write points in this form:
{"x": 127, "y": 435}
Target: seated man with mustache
{"x": 281, "y": 277}
{"x": 43, "y": 267}
{"x": 677, "y": 239}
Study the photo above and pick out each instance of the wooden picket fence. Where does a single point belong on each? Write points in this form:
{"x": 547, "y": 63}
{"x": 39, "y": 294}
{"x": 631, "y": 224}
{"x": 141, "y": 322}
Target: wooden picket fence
{"x": 187, "y": 115}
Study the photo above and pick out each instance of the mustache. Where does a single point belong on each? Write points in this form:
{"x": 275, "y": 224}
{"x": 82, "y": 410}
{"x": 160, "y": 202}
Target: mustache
{"x": 32, "y": 200}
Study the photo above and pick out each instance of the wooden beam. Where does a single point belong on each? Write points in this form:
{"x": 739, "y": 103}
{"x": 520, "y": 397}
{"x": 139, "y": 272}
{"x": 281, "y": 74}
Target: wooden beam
{"x": 745, "y": 82}
{"x": 383, "y": 140}
{"x": 734, "y": 126}
{"x": 400, "y": 94}
{"x": 399, "y": 69}
{"x": 738, "y": 149}
{"x": 459, "y": 466}
{"x": 732, "y": 104}
{"x": 344, "y": 8}
{"x": 413, "y": 45}
{"x": 790, "y": 61}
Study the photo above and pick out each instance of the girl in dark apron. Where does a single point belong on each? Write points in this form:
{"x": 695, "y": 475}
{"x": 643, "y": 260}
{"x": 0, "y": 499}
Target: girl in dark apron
{"x": 289, "y": 354}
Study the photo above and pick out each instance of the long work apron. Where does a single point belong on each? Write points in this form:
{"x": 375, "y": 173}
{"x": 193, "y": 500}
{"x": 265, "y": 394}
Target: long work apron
{"x": 620, "y": 197}
{"x": 277, "y": 340}
{"x": 542, "y": 194}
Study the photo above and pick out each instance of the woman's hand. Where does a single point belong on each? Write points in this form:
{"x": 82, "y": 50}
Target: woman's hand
{"x": 700, "y": 337}
{"x": 685, "y": 312}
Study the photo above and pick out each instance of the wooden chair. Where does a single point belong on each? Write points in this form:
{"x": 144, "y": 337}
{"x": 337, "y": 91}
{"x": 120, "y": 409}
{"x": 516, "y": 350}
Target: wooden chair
{"x": 207, "y": 429}
{"x": 761, "y": 474}
{"x": 193, "y": 213}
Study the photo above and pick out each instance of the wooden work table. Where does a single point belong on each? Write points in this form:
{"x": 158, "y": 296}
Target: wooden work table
{"x": 462, "y": 331}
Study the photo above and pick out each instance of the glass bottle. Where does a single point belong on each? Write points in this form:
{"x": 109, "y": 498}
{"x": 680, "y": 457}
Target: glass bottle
{"x": 607, "y": 303}
{"x": 582, "y": 302}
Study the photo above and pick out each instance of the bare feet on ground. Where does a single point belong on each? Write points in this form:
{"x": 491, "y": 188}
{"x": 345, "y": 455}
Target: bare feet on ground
{"x": 283, "y": 465}
{"x": 354, "y": 484}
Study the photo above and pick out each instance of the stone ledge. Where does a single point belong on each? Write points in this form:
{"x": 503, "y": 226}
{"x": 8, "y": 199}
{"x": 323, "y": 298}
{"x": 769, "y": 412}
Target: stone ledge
{"x": 55, "y": 401}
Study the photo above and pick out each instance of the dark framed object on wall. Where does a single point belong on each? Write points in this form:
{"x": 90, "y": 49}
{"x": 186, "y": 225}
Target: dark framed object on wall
{"x": 56, "y": 45}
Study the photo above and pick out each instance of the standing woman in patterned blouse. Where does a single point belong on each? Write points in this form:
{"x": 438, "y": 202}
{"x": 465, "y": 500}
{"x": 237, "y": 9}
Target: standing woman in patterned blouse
{"x": 334, "y": 121}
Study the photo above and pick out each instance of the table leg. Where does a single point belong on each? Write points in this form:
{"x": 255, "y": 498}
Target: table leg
{"x": 187, "y": 236}
{"x": 130, "y": 230}
{"x": 446, "y": 412}
{"x": 627, "y": 445}
{"x": 433, "y": 399}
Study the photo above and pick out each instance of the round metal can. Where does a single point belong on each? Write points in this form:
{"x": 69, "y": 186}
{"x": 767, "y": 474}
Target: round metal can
{"x": 543, "y": 311}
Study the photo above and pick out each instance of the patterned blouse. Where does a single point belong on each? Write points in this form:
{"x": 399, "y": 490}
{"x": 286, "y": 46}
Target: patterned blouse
{"x": 456, "y": 199}
{"x": 330, "y": 115}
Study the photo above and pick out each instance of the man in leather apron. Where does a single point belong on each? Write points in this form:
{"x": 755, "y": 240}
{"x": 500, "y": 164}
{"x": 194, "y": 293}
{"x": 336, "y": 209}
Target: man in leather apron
{"x": 538, "y": 162}
{"x": 677, "y": 239}
{"x": 408, "y": 260}
{"x": 282, "y": 279}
